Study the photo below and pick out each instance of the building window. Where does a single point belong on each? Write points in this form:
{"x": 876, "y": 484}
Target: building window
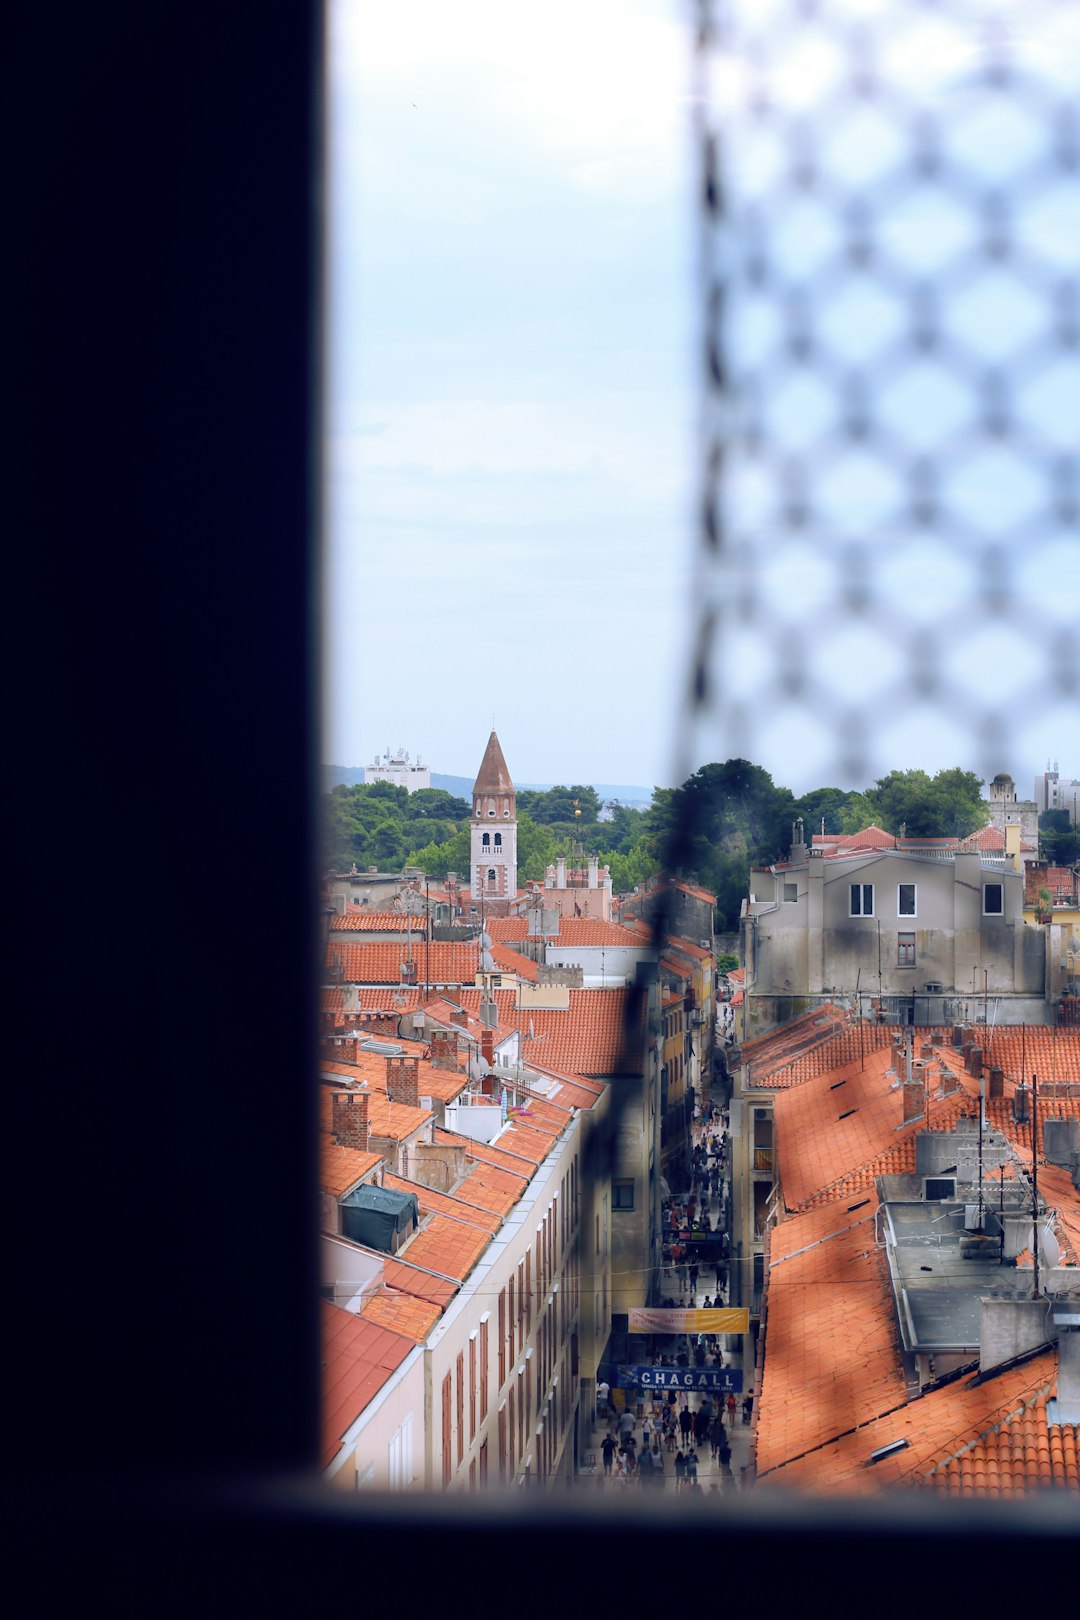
{"x": 862, "y": 900}
{"x": 993, "y": 899}
{"x": 905, "y": 950}
{"x": 791, "y": 892}
{"x": 486, "y": 840}
{"x": 905, "y": 900}
{"x": 498, "y": 840}
{"x": 622, "y": 1194}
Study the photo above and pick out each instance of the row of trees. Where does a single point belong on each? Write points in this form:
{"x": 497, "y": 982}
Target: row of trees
{"x": 723, "y": 820}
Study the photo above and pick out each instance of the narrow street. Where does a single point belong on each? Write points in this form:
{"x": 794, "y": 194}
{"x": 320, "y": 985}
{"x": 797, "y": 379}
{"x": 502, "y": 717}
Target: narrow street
{"x": 645, "y": 1419}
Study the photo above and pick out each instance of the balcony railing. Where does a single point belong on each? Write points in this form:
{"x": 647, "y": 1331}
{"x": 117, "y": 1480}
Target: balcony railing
{"x": 763, "y": 1158}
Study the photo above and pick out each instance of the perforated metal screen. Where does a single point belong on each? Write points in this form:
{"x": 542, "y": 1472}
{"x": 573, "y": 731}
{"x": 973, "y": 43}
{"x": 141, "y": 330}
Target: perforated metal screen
{"x": 889, "y": 561}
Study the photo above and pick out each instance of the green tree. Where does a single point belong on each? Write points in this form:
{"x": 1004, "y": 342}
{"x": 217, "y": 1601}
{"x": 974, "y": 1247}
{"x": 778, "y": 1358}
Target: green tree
{"x": 435, "y": 804}
{"x": 1059, "y": 841}
{"x": 949, "y": 804}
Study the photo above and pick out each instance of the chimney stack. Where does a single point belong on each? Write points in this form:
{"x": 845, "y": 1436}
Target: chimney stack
{"x": 444, "y": 1049}
{"x": 402, "y": 1085}
{"x": 350, "y": 1119}
{"x": 487, "y": 1047}
{"x": 997, "y": 1081}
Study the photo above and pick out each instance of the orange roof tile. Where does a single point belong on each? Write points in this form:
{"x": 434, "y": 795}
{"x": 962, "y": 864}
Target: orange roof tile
{"x": 493, "y": 1189}
{"x": 510, "y": 961}
{"x": 587, "y": 1038}
{"x": 414, "y": 1318}
{"x": 358, "y": 1359}
{"x": 838, "y": 1122}
{"x": 507, "y": 929}
{"x": 381, "y": 962}
{"x": 375, "y": 922}
{"x": 485, "y": 1153}
{"x": 449, "y": 1204}
{"x": 449, "y": 1247}
{"x": 594, "y": 931}
{"x": 341, "y": 1168}
{"x": 942, "y": 1424}
{"x": 408, "y": 1279}
{"x": 831, "y": 1349}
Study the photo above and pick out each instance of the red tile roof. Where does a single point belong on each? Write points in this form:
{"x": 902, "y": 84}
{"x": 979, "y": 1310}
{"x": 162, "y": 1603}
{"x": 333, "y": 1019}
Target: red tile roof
{"x": 358, "y": 1359}
{"x": 340, "y": 1168}
{"x": 451, "y": 1205}
{"x": 588, "y": 1037}
{"x": 449, "y": 1247}
{"x": 375, "y": 922}
{"x": 594, "y": 931}
{"x": 510, "y": 961}
{"x": 839, "y": 1121}
{"x": 832, "y": 1356}
{"x": 414, "y": 1318}
{"x": 382, "y": 962}
{"x": 499, "y": 1157}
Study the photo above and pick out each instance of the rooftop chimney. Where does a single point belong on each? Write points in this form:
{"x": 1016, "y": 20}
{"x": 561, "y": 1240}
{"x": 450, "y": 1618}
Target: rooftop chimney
{"x": 444, "y": 1049}
{"x": 402, "y": 1085}
{"x": 487, "y": 1046}
{"x": 350, "y": 1119}
{"x": 997, "y": 1081}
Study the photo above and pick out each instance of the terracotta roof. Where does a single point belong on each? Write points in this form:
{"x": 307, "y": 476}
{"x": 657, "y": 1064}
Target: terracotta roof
{"x": 492, "y": 1189}
{"x": 737, "y": 976}
{"x": 381, "y": 962}
{"x": 832, "y": 1357}
{"x": 414, "y": 1318}
{"x": 452, "y": 1205}
{"x": 694, "y": 890}
{"x": 391, "y": 1121}
{"x": 358, "y": 1359}
{"x": 1019, "y": 1455}
{"x": 766, "y": 1055}
{"x": 688, "y": 947}
{"x": 837, "y": 1122}
{"x": 594, "y": 931}
{"x": 500, "y": 929}
{"x": 341, "y": 1168}
{"x": 945, "y": 1424}
{"x": 530, "y": 1144}
{"x": 586, "y": 1038}
{"x": 493, "y": 776}
{"x": 409, "y": 1279}
{"x": 374, "y": 922}
{"x": 510, "y": 961}
{"x": 447, "y": 1246}
{"x": 499, "y": 1157}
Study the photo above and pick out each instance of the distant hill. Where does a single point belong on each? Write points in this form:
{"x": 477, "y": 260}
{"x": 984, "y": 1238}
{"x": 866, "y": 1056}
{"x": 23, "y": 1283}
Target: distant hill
{"x": 461, "y": 786}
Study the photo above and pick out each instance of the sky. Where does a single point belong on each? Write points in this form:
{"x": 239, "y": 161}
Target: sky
{"x": 513, "y": 414}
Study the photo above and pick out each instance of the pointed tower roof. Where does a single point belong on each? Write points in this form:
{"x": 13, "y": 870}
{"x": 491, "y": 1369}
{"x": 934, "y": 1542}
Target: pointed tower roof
{"x": 493, "y": 776}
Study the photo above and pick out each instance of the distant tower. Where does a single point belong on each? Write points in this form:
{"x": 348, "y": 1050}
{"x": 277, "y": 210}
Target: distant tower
{"x": 494, "y": 827}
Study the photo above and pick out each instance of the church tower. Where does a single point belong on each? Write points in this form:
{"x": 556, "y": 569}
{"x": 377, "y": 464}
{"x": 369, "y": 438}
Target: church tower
{"x": 494, "y": 828}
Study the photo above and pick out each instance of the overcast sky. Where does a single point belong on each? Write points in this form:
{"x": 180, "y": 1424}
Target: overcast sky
{"x": 512, "y": 401}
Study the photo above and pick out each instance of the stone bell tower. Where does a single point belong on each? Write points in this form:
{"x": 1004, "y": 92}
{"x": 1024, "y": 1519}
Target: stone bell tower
{"x": 493, "y": 850}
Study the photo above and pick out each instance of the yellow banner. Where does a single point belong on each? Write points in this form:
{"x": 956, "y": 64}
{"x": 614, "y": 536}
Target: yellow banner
{"x": 658, "y": 1319}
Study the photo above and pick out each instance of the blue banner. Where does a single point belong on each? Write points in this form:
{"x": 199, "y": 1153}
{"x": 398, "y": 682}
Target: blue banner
{"x": 702, "y": 1380}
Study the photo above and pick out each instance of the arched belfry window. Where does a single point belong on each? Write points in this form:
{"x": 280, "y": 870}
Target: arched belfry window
{"x": 486, "y": 840}
{"x": 498, "y": 840}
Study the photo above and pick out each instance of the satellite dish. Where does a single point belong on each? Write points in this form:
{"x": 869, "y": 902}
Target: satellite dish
{"x": 1049, "y": 1247}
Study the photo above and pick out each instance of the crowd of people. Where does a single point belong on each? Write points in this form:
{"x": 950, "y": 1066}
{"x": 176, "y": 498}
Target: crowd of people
{"x": 658, "y": 1435}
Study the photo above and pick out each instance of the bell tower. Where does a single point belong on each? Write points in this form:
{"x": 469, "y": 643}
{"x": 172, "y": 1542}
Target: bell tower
{"x": 494, "y": 828}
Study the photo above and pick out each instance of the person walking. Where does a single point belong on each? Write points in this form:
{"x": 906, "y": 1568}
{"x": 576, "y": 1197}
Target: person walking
{"x": 685, "y": 1422}
{"x": 680, "y": 1470}
{"x": 608, "y": 1449}
{"x": 731, "y": 1409}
